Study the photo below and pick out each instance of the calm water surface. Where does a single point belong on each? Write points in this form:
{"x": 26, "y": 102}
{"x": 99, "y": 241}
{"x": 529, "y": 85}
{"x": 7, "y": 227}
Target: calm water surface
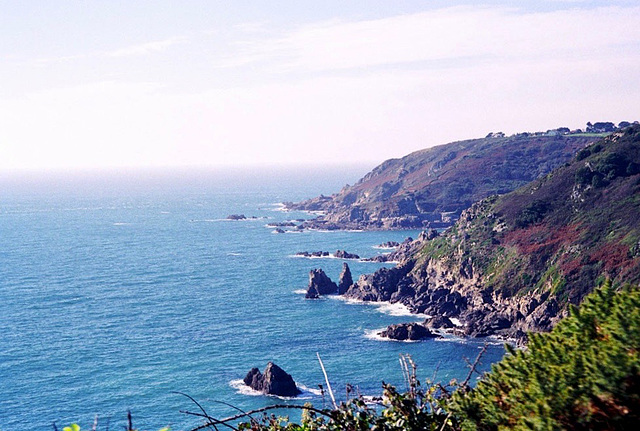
{"x": 118, "y": 288}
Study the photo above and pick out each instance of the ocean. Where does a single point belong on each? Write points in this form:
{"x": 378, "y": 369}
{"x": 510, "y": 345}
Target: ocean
{"x": 118, "y": 289}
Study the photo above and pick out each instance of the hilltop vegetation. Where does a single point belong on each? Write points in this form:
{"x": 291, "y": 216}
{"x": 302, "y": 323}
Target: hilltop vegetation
{"x": 429, "y": 188}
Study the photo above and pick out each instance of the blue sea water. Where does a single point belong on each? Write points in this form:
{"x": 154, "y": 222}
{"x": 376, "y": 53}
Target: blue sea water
{"x": 117, "y": 289}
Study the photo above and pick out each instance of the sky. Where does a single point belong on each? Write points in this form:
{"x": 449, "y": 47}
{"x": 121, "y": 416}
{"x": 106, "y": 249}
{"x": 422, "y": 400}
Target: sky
{"x": 94, "y": 84}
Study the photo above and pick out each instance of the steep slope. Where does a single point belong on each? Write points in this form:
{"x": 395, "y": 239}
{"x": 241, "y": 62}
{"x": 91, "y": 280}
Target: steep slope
{"x": 429, "y": 188}
{"x": 512, "y": 263}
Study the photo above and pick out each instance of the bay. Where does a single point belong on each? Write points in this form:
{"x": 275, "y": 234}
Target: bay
{"x": 118, "y": 289}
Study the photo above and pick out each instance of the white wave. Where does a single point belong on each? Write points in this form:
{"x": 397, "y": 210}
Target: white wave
{"x": 121, "y": 224}
{"x": 350, "y": 301}
{"x": 383, "y": 247}
{"x": 243, "y": 389}
{"x": 306, "y": 389}
{"x": 279, "y": 206}
{"x": 208, "y": 220}
{"x": 397, "y": 309}
{"x": 312, "y": 257}
{"x": 374, "y": 334}
{"x": 233, "y": 253}
{"x": 300, "y": 291}
{"x": 456, "y": 321}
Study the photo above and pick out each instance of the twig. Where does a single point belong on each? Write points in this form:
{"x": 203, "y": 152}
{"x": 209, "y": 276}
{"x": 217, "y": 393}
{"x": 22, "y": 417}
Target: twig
{"x": 197, "y": 404}
{"x": 263, "y": 409}
{"x": 466, "y": 381}
{"x": 95, "y": 423}
{"x": 55, "y": 428}
{"x": 129, "y": 421}
{"x": 333, "y": 399}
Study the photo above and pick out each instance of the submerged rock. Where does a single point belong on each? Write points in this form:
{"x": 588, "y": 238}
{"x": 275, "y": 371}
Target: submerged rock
{"x": 236, "y": 217}
{"x": 346, "y": 280}
{"x": 407, "y": 331}
{"x": 274, "y": 381}
{"x": 320, "y": 284}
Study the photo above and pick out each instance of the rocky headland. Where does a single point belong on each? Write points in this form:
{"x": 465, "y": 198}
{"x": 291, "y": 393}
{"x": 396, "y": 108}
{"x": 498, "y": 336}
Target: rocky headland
{"x": 430, "y": 188}
{"x": 515, "y": 263}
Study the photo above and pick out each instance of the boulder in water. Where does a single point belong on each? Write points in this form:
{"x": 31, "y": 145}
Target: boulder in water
{"x": 274, "y": 381}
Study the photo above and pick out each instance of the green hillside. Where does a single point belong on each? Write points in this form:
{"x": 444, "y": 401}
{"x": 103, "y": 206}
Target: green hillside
{"x": 429, "y": 188}
{"x": 513, "y": 263}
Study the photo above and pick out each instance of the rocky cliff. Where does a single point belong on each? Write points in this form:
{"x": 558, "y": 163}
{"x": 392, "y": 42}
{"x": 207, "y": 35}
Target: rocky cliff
{"x": 513, "y": 263}
{"x": 431, "y": 187}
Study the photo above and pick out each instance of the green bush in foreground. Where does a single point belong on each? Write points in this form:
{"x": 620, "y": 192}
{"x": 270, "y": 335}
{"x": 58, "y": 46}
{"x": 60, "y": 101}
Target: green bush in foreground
{"x": 585, "y": 374}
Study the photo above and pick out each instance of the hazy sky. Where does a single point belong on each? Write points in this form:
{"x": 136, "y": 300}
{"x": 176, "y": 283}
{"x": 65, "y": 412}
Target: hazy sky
{"x": 161, "y": 83}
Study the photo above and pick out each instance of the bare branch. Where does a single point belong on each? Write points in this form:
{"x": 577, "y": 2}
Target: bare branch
{"x": 333, "y": 399}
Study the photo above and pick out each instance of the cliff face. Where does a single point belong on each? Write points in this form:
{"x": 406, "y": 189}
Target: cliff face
{"x": 513, "y": 263}
{"x": 430, "y": 188}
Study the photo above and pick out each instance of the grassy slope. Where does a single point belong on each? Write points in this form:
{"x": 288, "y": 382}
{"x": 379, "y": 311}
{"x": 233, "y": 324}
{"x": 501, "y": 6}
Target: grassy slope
{"x": 449, "y": 178}
{"x": 559, "y": 233}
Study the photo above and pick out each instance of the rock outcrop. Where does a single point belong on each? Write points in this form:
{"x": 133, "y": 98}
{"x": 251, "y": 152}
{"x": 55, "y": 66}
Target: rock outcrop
{"x": 320, "y": 284}
{"x": 342, "y": 254}
{"x": 514, "y": 263}
{"x": 236, "y": 217}
{"x": 431, "y": 187}
{"x": 274, "y": 381}
{"x": 408, "y": 332}
{"x": 346, "y": 280}
{"x": 313, "y": 253}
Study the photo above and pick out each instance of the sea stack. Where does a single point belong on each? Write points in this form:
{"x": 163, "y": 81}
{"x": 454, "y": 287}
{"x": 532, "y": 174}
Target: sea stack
{"x": 346, "y": 280}
{"x": 320, "y": 284}
{"x": 274, "y": 381}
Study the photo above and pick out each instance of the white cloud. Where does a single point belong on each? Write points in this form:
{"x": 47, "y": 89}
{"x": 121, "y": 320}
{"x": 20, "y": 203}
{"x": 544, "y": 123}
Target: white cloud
{"x": 446, "y": 34}
{"x": 146, "y": 48}
{"x": 345, "y": 91}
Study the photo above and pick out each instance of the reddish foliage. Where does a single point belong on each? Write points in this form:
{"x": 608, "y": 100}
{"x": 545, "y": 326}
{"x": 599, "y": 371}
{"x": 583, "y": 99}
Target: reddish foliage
{"x": 569, "y": 265}
{"x": 614, "y": 257}
{"x": 541, "y": 238}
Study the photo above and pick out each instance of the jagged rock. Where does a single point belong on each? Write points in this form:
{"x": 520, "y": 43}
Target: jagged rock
{"x": 439, "y": 322}
{"x": 313, "y": 253}
{"x": 407, "y": 331}
{"x": 236, "y": 217}
{"x": 320, "y": 284}
{"x": 274, "y": 381}
{"x": 341, "y": 254}
{"x": 428, "y": 235}
{"x": 278, "y": 230}
{"x": 389, "y": 244}
{"x": 346, "y": 280}
{"x": 380, "y": 285}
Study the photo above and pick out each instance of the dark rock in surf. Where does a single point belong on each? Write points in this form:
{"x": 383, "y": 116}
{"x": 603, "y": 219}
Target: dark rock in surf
{"x": 341, "y": 254}
{"x": 320, "y": 284}
{"x": 408, "y": 332}
{"x": 346, "y": 280}
{"x": 439, "y": 322}
{"x": 274, "y": 381}
{"x": 236, "y": 217}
